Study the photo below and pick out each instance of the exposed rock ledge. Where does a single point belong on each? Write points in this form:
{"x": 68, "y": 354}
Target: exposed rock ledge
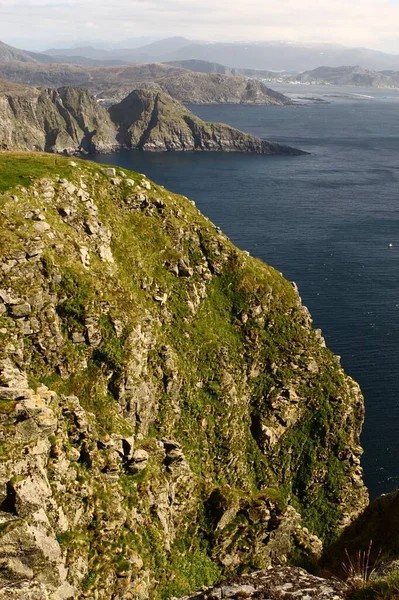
{"x": 285, "y": 583}
{"x": 70, "y": 121}
{"x": 140, "y": 353}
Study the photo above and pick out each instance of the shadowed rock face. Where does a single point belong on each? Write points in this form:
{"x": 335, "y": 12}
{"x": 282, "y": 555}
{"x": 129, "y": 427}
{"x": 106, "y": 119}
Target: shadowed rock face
{"x": 64, "y": 120}
{"x": 70, "y": 120}
{"x": 168, "y": 415}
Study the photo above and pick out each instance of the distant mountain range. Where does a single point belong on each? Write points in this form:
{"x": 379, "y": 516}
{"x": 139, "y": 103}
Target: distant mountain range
{"x": 111, "y": 84}
{"x": 275, "y": 56}
{"x": 264, "y": 56}
{"x": 353, "y": 76}
{"x": 190, "y": 79}
{"x": 338, "y": 76}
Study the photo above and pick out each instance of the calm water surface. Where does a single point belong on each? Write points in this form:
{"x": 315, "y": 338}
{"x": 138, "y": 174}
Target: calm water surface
{"x": 326, "y": 221}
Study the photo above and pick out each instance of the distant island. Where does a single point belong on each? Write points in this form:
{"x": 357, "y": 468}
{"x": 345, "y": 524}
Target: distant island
{"x": 351, "y": 76}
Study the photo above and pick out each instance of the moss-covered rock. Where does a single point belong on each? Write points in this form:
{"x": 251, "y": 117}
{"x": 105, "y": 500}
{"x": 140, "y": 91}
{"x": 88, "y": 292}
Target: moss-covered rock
{"x": 168, "y": 414}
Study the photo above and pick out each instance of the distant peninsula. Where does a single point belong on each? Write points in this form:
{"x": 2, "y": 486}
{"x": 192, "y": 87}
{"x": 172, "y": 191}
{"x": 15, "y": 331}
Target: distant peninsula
{"x": 112, "y": 83}
{"x": 71, "y": 121}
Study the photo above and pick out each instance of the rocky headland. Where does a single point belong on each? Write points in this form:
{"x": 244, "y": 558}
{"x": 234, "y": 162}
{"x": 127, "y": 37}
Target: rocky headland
{"x": 169, "y": 416}
{"x": 70, "y": 120}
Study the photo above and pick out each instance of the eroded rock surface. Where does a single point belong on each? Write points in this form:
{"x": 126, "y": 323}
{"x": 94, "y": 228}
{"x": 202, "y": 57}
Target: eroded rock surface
{"x": 168, "y": 415}
{"x": 287, "y": 583}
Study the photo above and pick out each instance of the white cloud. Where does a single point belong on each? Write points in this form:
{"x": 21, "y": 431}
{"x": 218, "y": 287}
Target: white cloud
{"x": 359, "y": 22}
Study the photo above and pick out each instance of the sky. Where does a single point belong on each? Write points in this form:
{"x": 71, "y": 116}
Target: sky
{"x": 38, "y": 24}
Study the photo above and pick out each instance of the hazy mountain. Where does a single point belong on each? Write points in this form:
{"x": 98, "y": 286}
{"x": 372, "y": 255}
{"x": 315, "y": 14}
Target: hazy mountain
{"x": 339, "y": 76}
{"x": 270, "y": 61}
{"x": 347, "y": 75}
{"x": 163, "y": 47}
{"x": 284, "y": 57}
{"x": 114, "y": 83}
{"x": 11, "y": 54}
{"x": 264, "y": 56}
{"x": 8, "y": 53}
{"x": 145, "y": 53}
{"x": 82, "y": 51}
{"x": 203, "y": 66}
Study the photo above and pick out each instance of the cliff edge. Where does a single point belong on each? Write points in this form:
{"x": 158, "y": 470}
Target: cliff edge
{"x": 70, "y": 120}
{"x": 169, "y": 416}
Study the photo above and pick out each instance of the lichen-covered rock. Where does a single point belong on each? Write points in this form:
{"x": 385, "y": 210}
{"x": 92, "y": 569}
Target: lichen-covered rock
{"x": 168, "y": 417}
{"x": 287, "y": 583}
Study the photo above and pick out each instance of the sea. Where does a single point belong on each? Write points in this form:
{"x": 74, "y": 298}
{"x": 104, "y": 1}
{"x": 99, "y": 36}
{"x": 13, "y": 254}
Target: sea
{"x": 328, "y": 221}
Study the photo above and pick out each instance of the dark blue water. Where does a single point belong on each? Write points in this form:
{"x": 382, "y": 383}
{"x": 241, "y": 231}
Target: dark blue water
{"x": 326, "y": 221}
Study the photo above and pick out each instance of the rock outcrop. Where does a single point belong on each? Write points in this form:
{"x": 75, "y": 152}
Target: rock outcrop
{"x": 168, "y": 414}
{"x": 65, "y": 120}
{"x": 152, "y": 120}
{"x": 284, "y": 583}
{"x": 70, "y": 120}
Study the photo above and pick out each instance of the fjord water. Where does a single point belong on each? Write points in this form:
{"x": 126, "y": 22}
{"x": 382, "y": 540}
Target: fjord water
{"x": 325, "y": 221}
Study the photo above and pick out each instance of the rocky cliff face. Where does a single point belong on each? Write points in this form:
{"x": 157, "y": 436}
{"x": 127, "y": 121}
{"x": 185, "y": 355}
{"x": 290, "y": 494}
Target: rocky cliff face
{"x": 70, "y": 120}
{"x": 152, "y": 120}
{"x": 64, "y": 120}
{"x": 168, "y": 414}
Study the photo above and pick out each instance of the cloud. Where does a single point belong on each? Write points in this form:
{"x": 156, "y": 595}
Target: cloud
{"x": 360, "y": 22}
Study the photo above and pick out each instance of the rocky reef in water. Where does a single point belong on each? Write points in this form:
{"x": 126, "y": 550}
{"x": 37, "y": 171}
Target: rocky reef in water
{"x": 169, "y": 415}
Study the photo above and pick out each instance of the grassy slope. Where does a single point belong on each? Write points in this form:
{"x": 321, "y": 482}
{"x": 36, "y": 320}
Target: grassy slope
{"x": 204, "y": 347}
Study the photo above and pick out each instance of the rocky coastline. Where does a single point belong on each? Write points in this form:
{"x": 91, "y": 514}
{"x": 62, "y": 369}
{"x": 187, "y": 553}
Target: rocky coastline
{"x": 71, "y": 121}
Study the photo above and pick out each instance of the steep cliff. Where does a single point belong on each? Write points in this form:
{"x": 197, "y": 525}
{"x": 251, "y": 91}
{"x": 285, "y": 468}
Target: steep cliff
{"x": 64, "y": 120}
{"x": 70, "y": 120}
{"x": 152, "y": 120}
{"x": 168, "y": 414}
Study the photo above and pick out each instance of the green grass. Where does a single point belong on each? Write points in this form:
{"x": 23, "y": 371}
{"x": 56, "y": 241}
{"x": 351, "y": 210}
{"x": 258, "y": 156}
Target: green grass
{"x": 378, "y": 588}
{"x": 24, "y": 168}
